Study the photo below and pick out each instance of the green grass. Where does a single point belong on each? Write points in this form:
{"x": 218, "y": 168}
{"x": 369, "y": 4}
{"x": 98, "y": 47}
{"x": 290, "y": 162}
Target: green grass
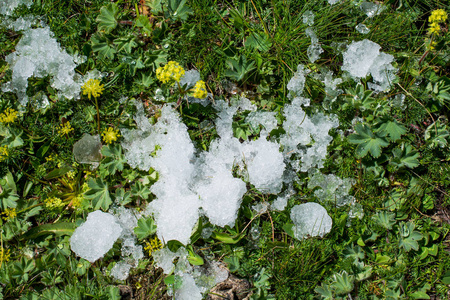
{"x": 267, "y": 40}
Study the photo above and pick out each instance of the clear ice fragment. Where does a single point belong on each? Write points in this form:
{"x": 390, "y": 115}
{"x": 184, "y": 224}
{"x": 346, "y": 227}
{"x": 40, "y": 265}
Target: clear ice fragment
{"x": 361, "y": 28}
{"x": 310, "y": 219}
{"x": 87, "y": 149}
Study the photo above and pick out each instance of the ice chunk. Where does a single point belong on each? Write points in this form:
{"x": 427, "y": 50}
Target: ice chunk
{"x": 20, "y": 24}
{"x": 297, "y": 82}
{"x": 188, "y": 289}
{"x": 221, "y": 198}
{"x": 364, "y": 58}
{"x": 121, "y": 270}
{"x": 371, "y": 9}
{"x": 96, "y": 236}
{"x": 87, "y": 149}
{"x": 164, "y": 258}
{"x": 260, "y": 208}
{"x": 308, "y": 18}
{"x": 332, "y": 2}
{"x": 361, "y": 28}
{"x": 38, "y": 54}
{"x": 265, "y": 118}
{"x": 190, "y": 78}
{"x": 313, "y": 52}
{"x": 333, "y": 189}
{"x": 282, "y": 200}
{"x": 399, "y": 101}
{"x": 264, "y": 164}
{"x": 8, "y": 6}
{"x": 310, "y": 219}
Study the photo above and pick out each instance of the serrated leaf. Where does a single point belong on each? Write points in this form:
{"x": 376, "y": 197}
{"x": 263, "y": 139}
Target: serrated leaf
{"x": 409, "y": 237}
{"x": 125, "y": 43}
{"x": 368, "y": 141}
{"x": 239, "y": 68}
{"x": 145, "y": 228}
{"x": 258, "y": 41}
{"x": 101, "y": 45}
{"x": 394, "y": 129}
{"x": 179, "y": 10}
{"x": 8, "y": 199}
{"x": 353, "y": 252}
{"x": 98, "y": 193}
{"x": 114, "y": 160}
{"x": 144, "y": 23}
{"x": 107, "y": 18}
{"x": 385, "y": 219}
{"x": 405, "y": 156}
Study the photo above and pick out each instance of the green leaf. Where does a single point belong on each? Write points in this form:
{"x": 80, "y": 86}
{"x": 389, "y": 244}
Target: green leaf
{"x": 125, "y": 43}
{"x": 114, "y": 160}
{"x": 8, "y": 199}
{"x": 405, "y": 156}
{"x": 58, "y": 229}
{"x": 144, "y": 23}
{"x": 226, "y": 238}
{"x": 178, "y": 9}
{"x": 325, "y": 291}
{"x": 409, "y": 236}
{"x": 394, "y": 129}
{"x": 193, "y": 257}
{"x": 101, "y": 45}
{"x": 98, "y": 193}
{"x": 446, "y": 278}
{"x": 107, "y": 18}
{"x": 58, "y": 172}
{"x": 354, "y": 253}
{"x": 343, "y": 283}
{"x": 239, "y": 68}
{"x": 368, "y": 141}
{"x": 258, "y": 41}
{"x": 145, "y": 228}
{"x": 385, "y": 219}
{"x": 232, "y": 262}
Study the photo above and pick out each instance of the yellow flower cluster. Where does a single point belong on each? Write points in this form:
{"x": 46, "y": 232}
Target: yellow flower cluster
{"x": 4, "y": 255}
{"x": 200, "y": 90}
{"x": 110, "y": 135}
{"x": 65, "y": 128}
{"x": 437, "y": 16}
{"x": 170, "y": 72}
{"x": 92, "y": 87}
{"x": 8, "y": 116}
{"x": 153, "y": 245}
{"x": 9, "y": 213}
{"x": 53, "y": 202}
{"x": 76, "y": 201}
{"x": 4, "y": 153}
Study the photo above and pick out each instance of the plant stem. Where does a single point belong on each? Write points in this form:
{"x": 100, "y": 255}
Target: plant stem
{"x": 98, "y": 115}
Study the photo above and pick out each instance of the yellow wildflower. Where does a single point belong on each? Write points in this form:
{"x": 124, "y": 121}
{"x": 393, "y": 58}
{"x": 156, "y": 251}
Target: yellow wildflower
{"x": 171, "y": 71}
{"x": 438, "y": 16}
{"x": 153, "y": 245}
{"x": 430, "y": 45}
{"x": 4, "y": 255}
{"x": 4, "y": 153}
{"x": 8, "y": 116}
{"x": 435, "y": 28}
{"x": 53, "y": 202}
{"x": 200, "y": 90}
{"x": 76, "y": 201}
{"x": 65, "y": 128}
{"x": 92, "y": 87}
{"x": 71, "y": 174}
{"x": 9, "y": 213}
{"x": 110, "y": 135}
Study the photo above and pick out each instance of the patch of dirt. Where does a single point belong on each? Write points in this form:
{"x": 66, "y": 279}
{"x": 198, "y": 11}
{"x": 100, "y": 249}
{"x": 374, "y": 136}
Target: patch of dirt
{"x": 231, "y": 289}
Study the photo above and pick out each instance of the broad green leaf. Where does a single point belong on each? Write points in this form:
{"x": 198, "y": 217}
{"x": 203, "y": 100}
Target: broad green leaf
{"x": 325, "y": 292}
{"x": 58, "y": 229}
{"x": 155, "y": 5}
{"x": 405, "y": 156}
{"x": 98, "y": 193}
{"x": 145, "y": 228}
{"x": 385, "y": 219}
{"x": 193, "y": 257}
{"x": 239, "y": 68}
{"x": 232, "y": 262}
{"x": 409, "y": 236}
{"x": 343, "y": 283}
{"x": 368, "y": 141}
{"x": 144, "y": 23}
{"x": 354, "y": 252}
{"x": 125, "y": 43}
{"x": 446, "y": 278}
{"x": 101, "y": 45}
{"x": 226, "y": 238}
{"x": 107, "y": 18}
{"x": 258, "y": 41}
{"x": 8, "y": 199}
{"x": 394, "y": 129}
{"x": 114, "y": 160}
{"x": 179, "y": 11}
{"x": 58, "y": 172}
